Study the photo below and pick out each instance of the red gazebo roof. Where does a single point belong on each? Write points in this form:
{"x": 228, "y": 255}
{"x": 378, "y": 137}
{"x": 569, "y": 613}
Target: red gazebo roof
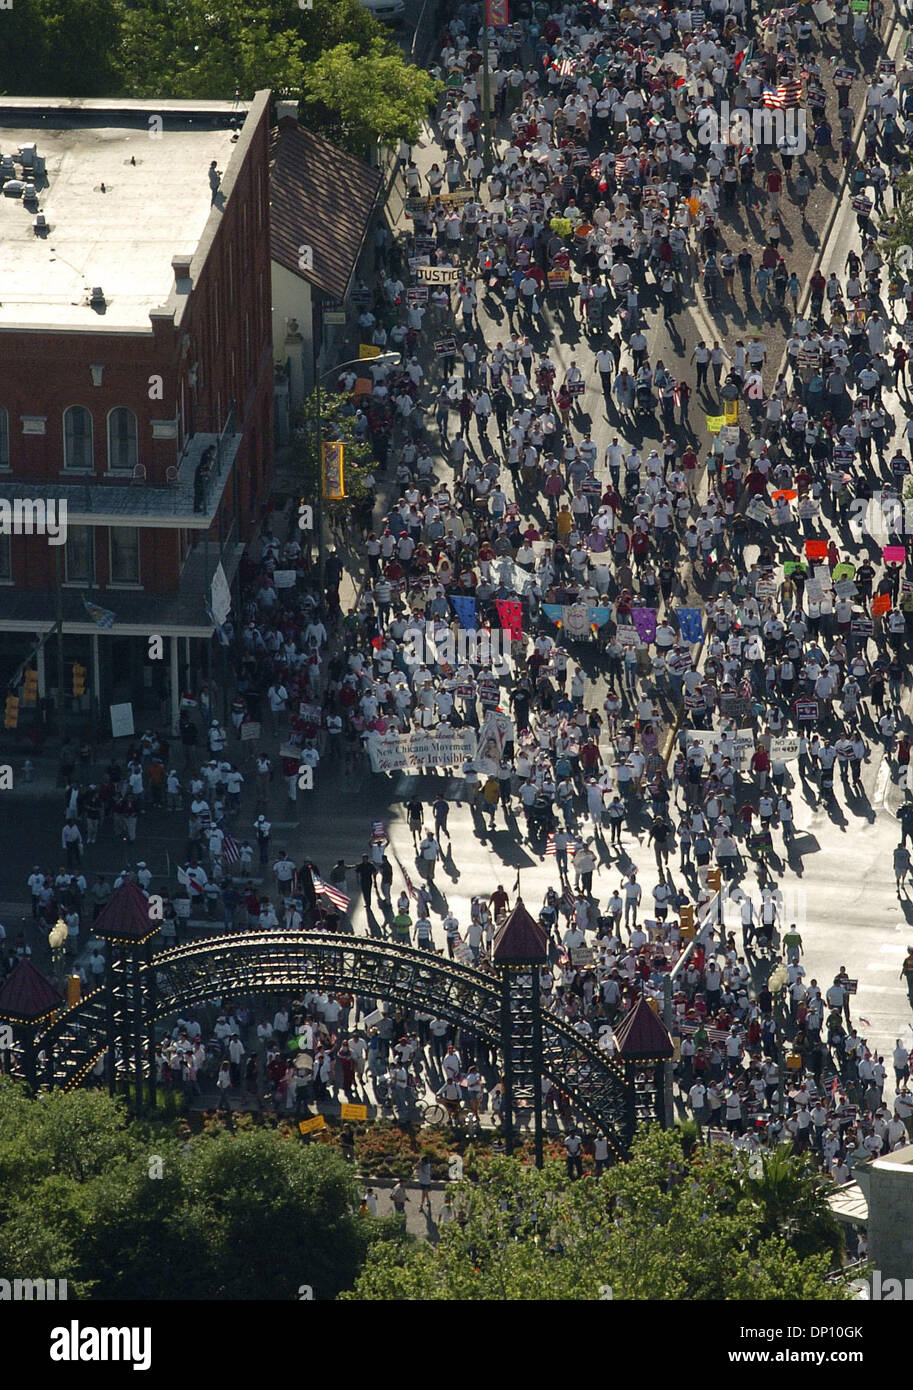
{"x": 26, "y": 995}
{"x": 125, "y": 916}
{"x": 641, "y": 1034}
{"x": 521, "y": 940}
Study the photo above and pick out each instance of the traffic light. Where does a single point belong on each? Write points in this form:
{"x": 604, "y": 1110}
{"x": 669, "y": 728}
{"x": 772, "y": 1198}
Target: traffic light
{"x": 30, "y": 687}
{"x": 11, "y": 719}
{"x": 79, "y": 679}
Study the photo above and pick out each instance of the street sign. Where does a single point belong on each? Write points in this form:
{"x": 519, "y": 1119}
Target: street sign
{"x": 334, "y": 316}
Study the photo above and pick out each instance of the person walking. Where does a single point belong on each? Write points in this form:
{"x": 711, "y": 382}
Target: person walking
{"x": 423, "y": 1178}
{"x": 906, "y": 973}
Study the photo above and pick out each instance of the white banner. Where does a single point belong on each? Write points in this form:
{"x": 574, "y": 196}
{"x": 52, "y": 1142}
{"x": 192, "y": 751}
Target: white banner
{"x": 421, "y": 748}
{"x": 786, "y": 748}
{"x": 742, "y": 741}
{"x": 438, "y": 274}
{"x": 285, "y": 579}
{"x": 220, "y": 595}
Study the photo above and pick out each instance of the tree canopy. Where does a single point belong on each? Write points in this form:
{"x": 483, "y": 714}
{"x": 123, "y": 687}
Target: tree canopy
{"x": 359, "y": 87}
{"x": 360, "y": 97}
{"x": 122, "y": 1209}
{"x": 657, "y": 1227}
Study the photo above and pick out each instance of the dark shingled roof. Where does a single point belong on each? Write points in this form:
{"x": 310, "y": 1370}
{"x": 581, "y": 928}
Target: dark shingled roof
{"x": 520, "y": 940}
{"x": 125, "y": 915}
{"x": 642, "y": 1033}
{"x": 319, "y": 197}
{"x": 26, "y": 995}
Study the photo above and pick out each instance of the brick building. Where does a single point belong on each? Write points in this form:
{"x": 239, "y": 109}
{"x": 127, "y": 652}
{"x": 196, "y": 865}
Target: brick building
{"x": 136, "y": 378}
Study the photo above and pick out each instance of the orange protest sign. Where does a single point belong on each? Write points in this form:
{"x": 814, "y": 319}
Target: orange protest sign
{"x": 312, "y": 1126}
{"x": 881, "y": 604}
{"x": 816, "y": 550}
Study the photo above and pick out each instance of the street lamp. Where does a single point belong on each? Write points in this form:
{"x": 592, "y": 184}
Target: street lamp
{"x": 57, "y": 940}
{"x": 381, "y": 359}
{"x": 777, "y": 981}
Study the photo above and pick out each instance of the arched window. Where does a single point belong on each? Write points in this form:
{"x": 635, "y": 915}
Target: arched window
{"x": 122, "y": 450}
{"x": 4, "y": 437}
{"x": 77, "y": 439}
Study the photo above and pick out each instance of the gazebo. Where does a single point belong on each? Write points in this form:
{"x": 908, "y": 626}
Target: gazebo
{"x": 644, "y": 1044}
{"x": 520, "y": 947}
{"x": 127, "y": 925}
{"x": 27, "y": 1000}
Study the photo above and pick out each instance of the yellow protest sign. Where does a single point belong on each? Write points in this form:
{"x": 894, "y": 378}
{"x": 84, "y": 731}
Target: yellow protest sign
{"x": 312, "y": 1126}
{"x": 333, "y": 470}
{"x": 368, "y": 350}
{"x": 353, "y": 1112}
{"x": 715, "y": 423}
{"x": 731, "y": 412}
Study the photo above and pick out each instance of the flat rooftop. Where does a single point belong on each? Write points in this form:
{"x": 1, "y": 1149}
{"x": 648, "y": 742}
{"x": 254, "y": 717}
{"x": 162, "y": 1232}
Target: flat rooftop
{"x": 125, "y": 188}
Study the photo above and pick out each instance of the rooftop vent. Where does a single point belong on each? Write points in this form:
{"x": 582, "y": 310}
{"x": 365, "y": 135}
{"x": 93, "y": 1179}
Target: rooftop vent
{"x": 97, "y": 297}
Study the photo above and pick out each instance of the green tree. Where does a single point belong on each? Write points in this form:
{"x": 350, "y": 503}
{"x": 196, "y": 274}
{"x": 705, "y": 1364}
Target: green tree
{"x": 338, "y": 417}
{"x": 660, "y": 1226}
{"x": 360, "y": 97}
{"x": 360, "y": 87}
{"x": 120, "y": 1209}
{"x": 897, "y": 229}
{"x": 60, "y": 48}
{"x": 208, "y": 49}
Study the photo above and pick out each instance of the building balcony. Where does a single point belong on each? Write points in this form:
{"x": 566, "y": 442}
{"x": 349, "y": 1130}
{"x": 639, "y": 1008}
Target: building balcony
{"x": 189, "y": 499}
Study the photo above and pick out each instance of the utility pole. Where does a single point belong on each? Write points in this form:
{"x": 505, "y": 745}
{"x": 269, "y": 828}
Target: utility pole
{"x": 486, "y": 94}
{"x": 61, "y": 700}
{"x": 318, "y": 510}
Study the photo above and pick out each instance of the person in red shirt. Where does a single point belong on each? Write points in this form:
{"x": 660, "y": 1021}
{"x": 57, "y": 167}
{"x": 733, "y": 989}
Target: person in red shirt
{"x": 760, "y": 765}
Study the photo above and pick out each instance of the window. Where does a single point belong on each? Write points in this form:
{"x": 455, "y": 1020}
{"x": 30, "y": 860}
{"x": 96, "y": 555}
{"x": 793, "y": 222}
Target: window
{"x": 4, "y": 437}
{"x": 77, "y": 439}
{"x": 122, "y": 451}
{"x": 6, "y": 559}
{"x": 79, "y": 555}
{"x": 124, "y": 554}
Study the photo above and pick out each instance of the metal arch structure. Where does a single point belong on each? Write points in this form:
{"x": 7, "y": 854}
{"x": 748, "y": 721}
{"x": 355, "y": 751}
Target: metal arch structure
{"x": 140, "y": 993}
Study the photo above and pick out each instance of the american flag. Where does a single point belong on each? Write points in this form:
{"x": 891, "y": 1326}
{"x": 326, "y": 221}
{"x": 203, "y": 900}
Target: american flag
{"x": 621, "y": 165}
{"x": 713, "y": 1034}
{"x": 551, "y": 849}
{"x": 231, "y": 850}
{"x": 787, "y": 93}
{"x": 567, "y": 67}
{"x": 336, "y": 897}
